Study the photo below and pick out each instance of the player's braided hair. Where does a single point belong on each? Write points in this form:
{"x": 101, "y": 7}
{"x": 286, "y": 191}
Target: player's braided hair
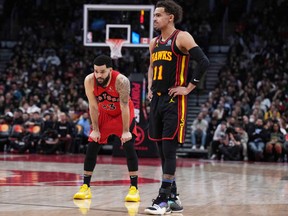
{"x": 172, "y": 7}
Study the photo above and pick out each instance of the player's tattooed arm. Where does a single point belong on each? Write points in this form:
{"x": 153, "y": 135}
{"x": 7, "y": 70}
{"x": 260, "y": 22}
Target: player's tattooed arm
{"x": 123, "y": 88}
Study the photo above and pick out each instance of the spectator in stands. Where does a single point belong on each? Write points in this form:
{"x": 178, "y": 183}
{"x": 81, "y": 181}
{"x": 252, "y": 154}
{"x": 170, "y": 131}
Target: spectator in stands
{"x": 65, "y": 131}
{"x": 49, "y": 142}
{"x": 84, "y": 122}
{"x": 52, "y": 58}
{"x": 199, "y": 130}
{"x": 221, "y": 111}
{"x": 231, "y": 147}
{"x": 256, "y": 109}
{"x": 231, "y": 121}
{"x": 218, "y": 139}
{"x": 268, "y": 125}
{"x": 249, "y": 123}
{"x": 265, "y": 102}
{"x": 36, "y": 119}
{"x": 258, "y": 139}
{"x": 274, "y": 147}
{"x": 283, "y": 123}
{"x": 214, "y": 122}
{"x": 48, "y": 123}
{"x": 17, "y": 94}
{"x": 25, "y": 117}
{"x": 272, "y": 112}
{"x": 258, "y": 113}
{"x": 2, "y": 99}
{"x": 245, "y": 106}
{"x": 243, "y": 139}
{"x": 205, "y": 113}
{"x": 82, "y": 104}
{"x": 18, "y": 117}
{"x": 285, "y": 146}
{"x": 280, "y": 97}
{"x": 237, "y": 111}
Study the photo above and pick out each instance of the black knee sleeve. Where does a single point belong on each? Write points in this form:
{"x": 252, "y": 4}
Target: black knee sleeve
{"x": 169, "y": 148}
{"x": 161, "y": 155}
{"x": 131, "y": 156}
{"x": 91, "y": 156}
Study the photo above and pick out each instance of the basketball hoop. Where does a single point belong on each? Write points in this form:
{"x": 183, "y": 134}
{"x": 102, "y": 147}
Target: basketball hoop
{"x": 115, "y": 47}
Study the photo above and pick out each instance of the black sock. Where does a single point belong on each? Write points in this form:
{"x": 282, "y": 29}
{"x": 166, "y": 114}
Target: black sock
{"x": 87, "y": 179}
{"x": 134, "y": 181}
{"x": 173, "y": 189}
{"x": 165, "y": 190}
{"x": 166, "y": 183}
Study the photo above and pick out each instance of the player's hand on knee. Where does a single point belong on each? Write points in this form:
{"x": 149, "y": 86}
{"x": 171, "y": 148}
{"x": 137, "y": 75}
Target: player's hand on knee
{"x": 126, "y": 136}
{"x": 95, "y": 136}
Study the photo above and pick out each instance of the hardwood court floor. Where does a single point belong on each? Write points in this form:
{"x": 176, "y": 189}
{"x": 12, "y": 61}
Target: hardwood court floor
{"x": 39, "y": 185}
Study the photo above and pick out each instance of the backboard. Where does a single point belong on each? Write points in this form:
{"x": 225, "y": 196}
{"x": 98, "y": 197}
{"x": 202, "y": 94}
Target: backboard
{"x": 132, "y": 23}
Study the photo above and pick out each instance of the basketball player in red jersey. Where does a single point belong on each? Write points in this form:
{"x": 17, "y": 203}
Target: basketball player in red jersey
{"x": 168, "y": 87}
{"x": 112, "y": 113}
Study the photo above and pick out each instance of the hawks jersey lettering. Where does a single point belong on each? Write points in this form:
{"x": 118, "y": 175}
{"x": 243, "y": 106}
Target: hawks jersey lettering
{"x": 169, "y": 64}
{"x": 108, "y": 98}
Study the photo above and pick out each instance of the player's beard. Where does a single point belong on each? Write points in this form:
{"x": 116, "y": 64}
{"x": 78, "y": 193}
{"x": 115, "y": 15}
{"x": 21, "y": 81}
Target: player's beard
{"x": 157, "y": 30}
{"x": 104, "y": 82}
{"x": 156, "y": 27}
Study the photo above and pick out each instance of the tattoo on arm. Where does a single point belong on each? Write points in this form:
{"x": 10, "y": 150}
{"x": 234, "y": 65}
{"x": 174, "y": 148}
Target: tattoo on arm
{"x": 123, "y": 87}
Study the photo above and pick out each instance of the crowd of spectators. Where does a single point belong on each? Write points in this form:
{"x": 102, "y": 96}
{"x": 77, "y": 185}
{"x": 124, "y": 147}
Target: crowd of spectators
{"x": 248, "y": 108}
{"x": 244, "y": 118}
{"x": 45, "y": 75}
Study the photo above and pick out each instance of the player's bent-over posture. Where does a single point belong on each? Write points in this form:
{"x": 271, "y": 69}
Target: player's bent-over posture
{"x": 112, "y": 113}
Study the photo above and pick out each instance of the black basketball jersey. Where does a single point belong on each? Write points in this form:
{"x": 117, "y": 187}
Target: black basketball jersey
{"x": 169, "y": 64}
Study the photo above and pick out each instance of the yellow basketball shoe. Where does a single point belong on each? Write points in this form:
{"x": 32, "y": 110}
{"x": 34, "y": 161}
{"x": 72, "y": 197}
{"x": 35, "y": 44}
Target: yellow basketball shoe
{"x": 133, "y": 195}
{"x": 83, "y": 193}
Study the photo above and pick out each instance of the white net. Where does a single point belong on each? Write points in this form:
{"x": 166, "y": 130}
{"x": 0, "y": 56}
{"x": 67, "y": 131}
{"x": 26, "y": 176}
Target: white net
{"x": 115, "y": 47}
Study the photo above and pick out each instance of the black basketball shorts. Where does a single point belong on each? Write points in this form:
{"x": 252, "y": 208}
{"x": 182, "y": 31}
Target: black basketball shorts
{"x": 167, "y": 117}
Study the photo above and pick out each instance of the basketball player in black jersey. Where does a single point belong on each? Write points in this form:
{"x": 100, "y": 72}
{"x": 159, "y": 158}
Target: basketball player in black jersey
{"x": 168, "y": 88}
